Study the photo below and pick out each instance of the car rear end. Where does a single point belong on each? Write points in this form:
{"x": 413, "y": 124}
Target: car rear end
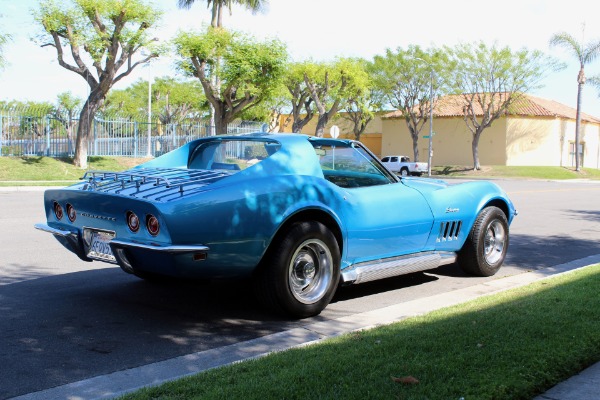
{"x": 420, "y": 168}
{"x": 120, "y": 218}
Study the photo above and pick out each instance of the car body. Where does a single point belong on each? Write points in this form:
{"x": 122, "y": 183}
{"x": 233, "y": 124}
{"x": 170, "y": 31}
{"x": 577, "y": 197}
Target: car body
{"x": 403, "y": 166}
{"x": 299, "y": 215}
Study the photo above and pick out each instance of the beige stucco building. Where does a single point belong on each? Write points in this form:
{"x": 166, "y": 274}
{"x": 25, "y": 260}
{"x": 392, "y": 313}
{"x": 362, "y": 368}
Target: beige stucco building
{"x": 538, "y": 132}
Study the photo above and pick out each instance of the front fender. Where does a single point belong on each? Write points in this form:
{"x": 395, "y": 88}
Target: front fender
{"x": 455, "y": 207}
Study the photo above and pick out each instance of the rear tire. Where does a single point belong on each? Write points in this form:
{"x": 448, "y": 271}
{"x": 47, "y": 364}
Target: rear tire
{"x": 300, "y": 272}
{"x": 404, "y": 172}
{"x": 485, "y": 248}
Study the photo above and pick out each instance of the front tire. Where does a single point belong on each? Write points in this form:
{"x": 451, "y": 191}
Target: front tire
{"x": 300, "y": 272}
{"x": 485, "y": 248}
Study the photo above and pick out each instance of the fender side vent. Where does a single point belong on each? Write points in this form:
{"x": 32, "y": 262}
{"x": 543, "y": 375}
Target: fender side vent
{"x": 449, "y": 231}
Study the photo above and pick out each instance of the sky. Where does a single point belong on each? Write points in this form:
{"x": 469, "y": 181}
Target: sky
{"x": 324, "y": 29}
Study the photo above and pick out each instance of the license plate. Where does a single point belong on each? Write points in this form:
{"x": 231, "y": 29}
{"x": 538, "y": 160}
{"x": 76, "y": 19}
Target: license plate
{"x": 99, "y": 247}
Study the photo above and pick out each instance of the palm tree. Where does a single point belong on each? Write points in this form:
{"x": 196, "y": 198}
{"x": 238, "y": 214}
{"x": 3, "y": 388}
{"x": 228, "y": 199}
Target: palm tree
{"x": 4, "y": 39}
{"x": 585, "y": 54}
{"x": 218, "y": 5}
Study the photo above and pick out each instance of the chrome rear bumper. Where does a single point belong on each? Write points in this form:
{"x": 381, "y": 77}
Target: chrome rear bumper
{"x": 72, "y": 240}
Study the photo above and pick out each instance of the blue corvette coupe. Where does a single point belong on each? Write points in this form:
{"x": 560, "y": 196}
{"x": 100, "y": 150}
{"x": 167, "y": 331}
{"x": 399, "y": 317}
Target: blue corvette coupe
{"x": 298, "y": 214}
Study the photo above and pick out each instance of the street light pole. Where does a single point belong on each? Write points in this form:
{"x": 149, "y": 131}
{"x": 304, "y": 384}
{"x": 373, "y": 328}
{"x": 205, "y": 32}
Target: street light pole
{"x": 431, "y": 76}
{"x": 430, "y": 124}
{"x": 149, "y": 117}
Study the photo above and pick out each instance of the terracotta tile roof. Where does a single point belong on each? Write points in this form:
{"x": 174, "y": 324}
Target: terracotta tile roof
{"x": 527, "y": 105}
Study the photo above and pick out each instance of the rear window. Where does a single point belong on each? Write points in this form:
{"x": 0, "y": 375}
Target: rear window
{"x": 232, "y": 154}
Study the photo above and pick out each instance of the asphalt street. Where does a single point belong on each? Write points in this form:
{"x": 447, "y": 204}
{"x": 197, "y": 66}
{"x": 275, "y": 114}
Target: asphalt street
{"x": 63, "y": 320}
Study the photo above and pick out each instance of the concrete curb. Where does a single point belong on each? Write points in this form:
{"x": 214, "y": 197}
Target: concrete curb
{"x": 121, "y": 382}
{"x": 27, "y": 188}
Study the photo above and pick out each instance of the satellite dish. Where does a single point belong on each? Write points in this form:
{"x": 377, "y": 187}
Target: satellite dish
{"x": 334, "y": 131}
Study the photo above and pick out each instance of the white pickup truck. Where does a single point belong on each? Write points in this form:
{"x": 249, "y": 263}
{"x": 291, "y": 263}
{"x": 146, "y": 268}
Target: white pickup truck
{"x": 403, "y": 166}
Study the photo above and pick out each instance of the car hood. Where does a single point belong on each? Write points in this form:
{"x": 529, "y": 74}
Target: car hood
{"x": 425, "y": 185}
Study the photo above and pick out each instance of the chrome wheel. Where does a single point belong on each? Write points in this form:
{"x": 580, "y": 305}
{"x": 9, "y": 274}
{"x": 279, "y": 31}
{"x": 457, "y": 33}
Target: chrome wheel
{"x": 494, "y": 242}
{"x": 301, "y": 270}
{"x": 310, "y": 271}
{"x": 485, "y": 248}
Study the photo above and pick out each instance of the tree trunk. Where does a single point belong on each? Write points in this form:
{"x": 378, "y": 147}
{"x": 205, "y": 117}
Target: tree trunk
{"x": 578, "y": 126}
{"x": 86, "y": 117}
{"x": 414, "y": 135}
{"x": 321, "y": 123}
{"x": 299, "y": 124}
{"x": 475, "y": 148}
{"x": 221, "y": 120}
{"x": 415, "y": 140}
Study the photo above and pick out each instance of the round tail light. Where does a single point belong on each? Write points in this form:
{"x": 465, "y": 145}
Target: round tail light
{"x": 152, "y": 225}
{"x": 71, "y": 213}
{"x": 133, "y": 222}
{"x": 58, "y": 211}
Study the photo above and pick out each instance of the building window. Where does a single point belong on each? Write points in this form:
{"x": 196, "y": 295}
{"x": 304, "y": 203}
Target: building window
{"x": 572, "y": 153}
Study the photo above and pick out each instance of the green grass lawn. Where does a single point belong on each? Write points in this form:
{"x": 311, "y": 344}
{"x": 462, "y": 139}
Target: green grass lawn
{"x": 499, "y": 171}
{"x": 512, "y": 345}
{"x": 52, "y": 171}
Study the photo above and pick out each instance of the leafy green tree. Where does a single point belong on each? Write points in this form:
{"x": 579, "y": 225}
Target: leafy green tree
{"x": 217, "y": 7}
{"x": 407, "y": 78}
{"x": 361, "y": 107}
{"x": 111, "y": 33}
{"x": 490, "y": 80}
{"x": 595, "y": 81}
{"x": 274, "y": 110}
{"x": 302, "y": 104}
{"x": 172, "y": 100}
{"x": 28, "y": 108}
{"x": 250, "y": 71}
{"x": 67, "y": 107}
{"x": 330, "y": 85}
{"x": 178, "y": 100}
{"x": 31, "y": 115}
{"x": 585, "y": 53}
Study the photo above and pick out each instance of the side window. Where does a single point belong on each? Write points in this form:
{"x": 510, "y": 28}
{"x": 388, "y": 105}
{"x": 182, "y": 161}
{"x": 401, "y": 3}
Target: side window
{"x": 385, "y": 159}
{"x": 394, "y": 159}
{"x": 349, "y": 165}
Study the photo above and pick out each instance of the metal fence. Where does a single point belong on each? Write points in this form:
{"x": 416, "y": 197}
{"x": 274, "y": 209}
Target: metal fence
{"x": 24, "y": 135}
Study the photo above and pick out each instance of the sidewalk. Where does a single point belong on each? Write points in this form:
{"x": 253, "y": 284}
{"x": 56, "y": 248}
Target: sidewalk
{"x": 584, "y": 386}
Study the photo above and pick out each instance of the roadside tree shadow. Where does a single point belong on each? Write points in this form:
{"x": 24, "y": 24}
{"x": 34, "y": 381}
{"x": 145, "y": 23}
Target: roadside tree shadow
{"x": 64, "y": 328}
{"x": 588, "y": 215}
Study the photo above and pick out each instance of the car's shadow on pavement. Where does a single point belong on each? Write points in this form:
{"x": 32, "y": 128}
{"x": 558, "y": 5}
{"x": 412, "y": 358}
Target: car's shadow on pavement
{"x": 381, "y": 286}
